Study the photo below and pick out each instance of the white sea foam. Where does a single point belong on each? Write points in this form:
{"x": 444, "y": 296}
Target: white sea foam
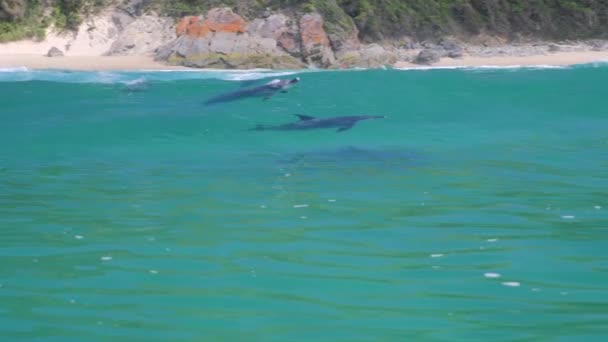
{"x": 78, "y": 237}
{"x": 19, "y": 74}
{"x": 106, "y": 258}
{"x": 301, "y": 206}
{"x": 482, "y": 67}
{"x": 436, "y": 255}
{"x": 511, "y": 284}
{"x": 14, "y": 69}
{"x": 491, "y": 275}
{"x": 251, "y": 75}
{"x": 568, "y": 217}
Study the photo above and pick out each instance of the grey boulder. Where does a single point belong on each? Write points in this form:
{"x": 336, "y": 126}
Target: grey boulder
{"x": 54, "y": 52}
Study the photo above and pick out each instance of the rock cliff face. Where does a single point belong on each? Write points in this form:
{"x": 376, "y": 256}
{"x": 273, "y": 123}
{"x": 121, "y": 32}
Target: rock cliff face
{"x": 142, "y": 36}
{"x": 315, "y": 44}
{"x": 224, "y": 39}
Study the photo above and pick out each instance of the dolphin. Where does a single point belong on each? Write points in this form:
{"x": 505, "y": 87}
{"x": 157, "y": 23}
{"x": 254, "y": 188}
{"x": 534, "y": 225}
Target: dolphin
{"x": 266, "y": 91}
{"x": 342, "y": 123}
{"x": 139, "y": 84}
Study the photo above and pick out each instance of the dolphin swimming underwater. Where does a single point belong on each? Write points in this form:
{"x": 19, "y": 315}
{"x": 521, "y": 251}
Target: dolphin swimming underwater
{"x": 266, "y": 91}
{"x": 342, "y": 123}
{"x": 139, "y": 84}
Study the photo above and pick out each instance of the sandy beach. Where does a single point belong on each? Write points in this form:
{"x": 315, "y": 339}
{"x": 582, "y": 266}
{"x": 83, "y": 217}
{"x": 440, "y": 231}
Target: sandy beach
{"x": 88, "y": 54}
{"x": 105, "y": 63}
{"x": 557, "y": 59}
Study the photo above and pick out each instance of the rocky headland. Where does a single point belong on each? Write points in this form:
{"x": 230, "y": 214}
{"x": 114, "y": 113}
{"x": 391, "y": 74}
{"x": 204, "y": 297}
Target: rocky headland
{"x": 220, "y": 37}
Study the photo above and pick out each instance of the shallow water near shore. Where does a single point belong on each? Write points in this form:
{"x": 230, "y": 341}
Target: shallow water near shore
{"x": 477, "y": 210}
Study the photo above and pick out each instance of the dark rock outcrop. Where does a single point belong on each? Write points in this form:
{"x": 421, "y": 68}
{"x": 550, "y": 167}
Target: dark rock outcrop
{"x": 451, "y": 49}
{"x": 13, "y": 9}
{"x": 54, "y": 52}
{"x": 427, "y": 57}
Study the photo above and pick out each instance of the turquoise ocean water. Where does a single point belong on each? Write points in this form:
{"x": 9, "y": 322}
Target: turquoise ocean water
{"x": 476, "y": 211}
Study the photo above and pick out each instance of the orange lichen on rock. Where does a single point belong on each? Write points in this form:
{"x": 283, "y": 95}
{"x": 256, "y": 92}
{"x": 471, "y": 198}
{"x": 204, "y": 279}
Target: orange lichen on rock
{"x": 311, "y": 29}
{"x": 218, "y": 20}
{"x": 185, "y": 23}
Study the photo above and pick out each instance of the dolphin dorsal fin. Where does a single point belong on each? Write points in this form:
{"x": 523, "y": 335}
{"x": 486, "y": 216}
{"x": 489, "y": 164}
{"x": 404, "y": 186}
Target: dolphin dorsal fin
{"x": 305, "y": 117}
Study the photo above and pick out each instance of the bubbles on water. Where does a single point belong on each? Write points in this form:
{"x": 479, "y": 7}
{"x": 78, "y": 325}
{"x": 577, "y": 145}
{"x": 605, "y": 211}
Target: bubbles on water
{"x": 153, "y": 271}
{"x": 568, "y": 217}
{"x": 300, "y": 206}
{"x": 72, "y": 301}
{"x": 78, "y": 237}
{"x": 438, "y": 255}
{"x": 436, "y": 267}
{"x": 536, "y": 289}
{"x": 106, "y": 258}
{"x": 288, "y": 175}
{"x": 303, "y": 217}
{"x": 253, "y": 274}
{"x": 263, "y": 206}
{"x": 491, "y": 275}
{"x": 492, "y": 240}
{"x": 563, "y": 293}
{"x": 597, "y": 207}
{"x": 511, "y": 284}
{"x": 331, "y": 200}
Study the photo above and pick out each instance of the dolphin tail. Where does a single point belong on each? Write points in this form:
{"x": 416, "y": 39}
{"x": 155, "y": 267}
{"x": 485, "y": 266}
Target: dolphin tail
{"x": 344, "y": 128}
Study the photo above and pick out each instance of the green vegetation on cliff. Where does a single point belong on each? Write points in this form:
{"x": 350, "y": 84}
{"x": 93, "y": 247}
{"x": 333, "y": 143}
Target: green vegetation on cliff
{"x": 20, "y": 19}
{"x": 382, "y": 19}
{"x": 375, "y": 19}
{"x": 554, "y": 19}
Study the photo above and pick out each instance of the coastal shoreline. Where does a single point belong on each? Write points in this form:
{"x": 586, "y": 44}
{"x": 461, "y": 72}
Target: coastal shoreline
{"x": 147, "y": 63}
{"x": 85, "y": 63}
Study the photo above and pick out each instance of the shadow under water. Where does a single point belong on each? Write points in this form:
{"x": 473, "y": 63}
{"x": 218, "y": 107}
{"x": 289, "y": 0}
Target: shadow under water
{"x": 350, "y": 156}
